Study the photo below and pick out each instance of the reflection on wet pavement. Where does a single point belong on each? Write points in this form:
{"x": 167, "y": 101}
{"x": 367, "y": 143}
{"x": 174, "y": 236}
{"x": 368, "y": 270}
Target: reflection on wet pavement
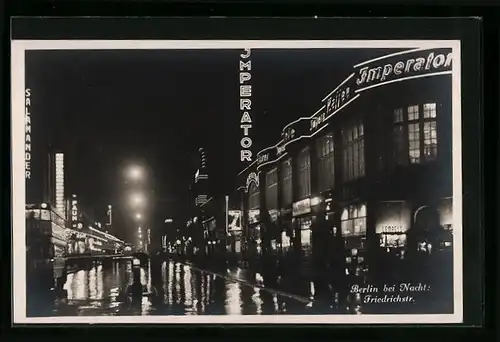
{"x": 178, "y": 289}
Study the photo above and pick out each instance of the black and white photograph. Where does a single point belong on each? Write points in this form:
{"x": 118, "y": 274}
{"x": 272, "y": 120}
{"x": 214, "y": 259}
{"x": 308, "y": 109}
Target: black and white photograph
{"x": 256, "y": 181}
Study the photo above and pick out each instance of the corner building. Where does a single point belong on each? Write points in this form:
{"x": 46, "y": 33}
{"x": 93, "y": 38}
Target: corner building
{"x": 369, "y": 173}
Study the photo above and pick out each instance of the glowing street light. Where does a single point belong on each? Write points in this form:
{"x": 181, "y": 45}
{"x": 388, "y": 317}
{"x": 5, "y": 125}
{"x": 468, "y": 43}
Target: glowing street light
{"x": 137, "y": 199}
{"x": 138, "y": 216}
{"x": 135, "y": 173}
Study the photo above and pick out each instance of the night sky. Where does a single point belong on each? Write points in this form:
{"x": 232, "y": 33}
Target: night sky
{"x": 107, "y": 109}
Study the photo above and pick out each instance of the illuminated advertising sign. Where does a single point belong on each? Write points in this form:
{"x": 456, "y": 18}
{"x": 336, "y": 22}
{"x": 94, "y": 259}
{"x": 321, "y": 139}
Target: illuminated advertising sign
{"x": 253, "y": 216}
{"x": 393, "y": 217}
{"x": 392, "y": 68}
{"x": 245, "y": 91}
{"x": 416, "y": 63}
{"x": 274, "y": 214}
{"x": 75, "y": 214}
{"x": 198, "y": 176}
{"x": 301, "y": 207}
{"x": 388, "y": 69}
{"x": 234, "y": 220}
{"x": 252, "y": 178}
{"x": 60, "y": 205}
{"x": 27, "y": 132}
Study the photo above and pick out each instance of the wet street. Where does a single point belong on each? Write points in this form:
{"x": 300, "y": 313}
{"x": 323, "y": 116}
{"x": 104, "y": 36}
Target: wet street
{"x": 180, "y": 289}
{"x": 261, "y": 286}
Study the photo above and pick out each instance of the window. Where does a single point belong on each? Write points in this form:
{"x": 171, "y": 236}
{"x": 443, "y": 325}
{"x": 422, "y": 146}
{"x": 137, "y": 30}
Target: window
{"x": 354, "y": 152}
{"x": 304, "y": 173}
{"x": 414, "y": 142}
{"x": 286, "y": 182}
{"x": 272, "y": 189}
{"x": 353, "y": 220}
{"x": 326, "y": 162}
{"x": 254, "y": 197}
{"x": 422, "y": 134}
{"x": 398, "y": 136}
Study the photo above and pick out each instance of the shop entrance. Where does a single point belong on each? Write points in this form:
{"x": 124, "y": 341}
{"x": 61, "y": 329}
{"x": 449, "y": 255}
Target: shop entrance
{"x": 426, "y": 232}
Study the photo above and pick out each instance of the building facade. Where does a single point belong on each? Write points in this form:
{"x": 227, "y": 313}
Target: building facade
{"x": 370, "y": 171}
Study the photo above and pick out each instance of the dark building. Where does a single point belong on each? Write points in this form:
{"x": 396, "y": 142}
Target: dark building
{"x": 371, "y": 170}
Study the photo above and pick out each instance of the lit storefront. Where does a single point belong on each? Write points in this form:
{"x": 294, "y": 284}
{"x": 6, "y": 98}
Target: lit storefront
{"x": 393, "y": 220}
{"x": 234, "y": 230}
{"x": 254, "y": 218}
{"x": 286, "y": 191}
{"x": 271, "y": 202}
{"x": 302, "y": 235}
{"x": 372, "y": 164}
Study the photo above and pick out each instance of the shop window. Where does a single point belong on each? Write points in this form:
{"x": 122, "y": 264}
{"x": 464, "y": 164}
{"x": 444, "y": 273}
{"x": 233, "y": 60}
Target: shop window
{"x": 304, "y": 174}
{"x": 353, "y": 220}
{"x": 353, "y": 152}
{"x": 304, "y": 225}
{"x": 326, "y": 162}
{"x": 286, "y": 182}
{"x": 421, "y": 124}
{"x": 272, "y": 189}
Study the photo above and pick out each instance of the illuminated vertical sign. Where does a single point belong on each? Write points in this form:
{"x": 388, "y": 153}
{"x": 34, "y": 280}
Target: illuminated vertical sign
{"x": 75, "y": 213}
{"x": 27, "y": 133}
{"x": 245, "y": 105}
{"x": 59, "y": 160}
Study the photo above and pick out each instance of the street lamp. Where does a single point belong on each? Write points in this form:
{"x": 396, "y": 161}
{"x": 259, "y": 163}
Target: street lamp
{"x": 135, "y": 173}
{"x": 137, "y": 199}
{"x": 138, "y": 216}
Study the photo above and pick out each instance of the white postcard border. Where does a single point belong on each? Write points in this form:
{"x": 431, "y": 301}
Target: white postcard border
{"x": 18, "y": 49}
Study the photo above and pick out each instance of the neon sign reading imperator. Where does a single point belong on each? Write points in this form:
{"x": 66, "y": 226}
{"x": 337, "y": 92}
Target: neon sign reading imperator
{"x": 27, "y": 132}
{"x": 245, "y": 105}
{"x": 432, "y": 62}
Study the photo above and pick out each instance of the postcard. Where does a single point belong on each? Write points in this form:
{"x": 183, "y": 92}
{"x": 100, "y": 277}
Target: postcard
{"x": 237, "y": 181}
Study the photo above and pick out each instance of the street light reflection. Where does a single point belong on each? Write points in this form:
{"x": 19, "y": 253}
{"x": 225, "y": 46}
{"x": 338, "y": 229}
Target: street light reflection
{"x": 258, "y": 301}
{"x": 233, "y": 300}
{"x": 170, "y": 282}
{"x": 188, "y": 300}
{"x": 181, "y": 289}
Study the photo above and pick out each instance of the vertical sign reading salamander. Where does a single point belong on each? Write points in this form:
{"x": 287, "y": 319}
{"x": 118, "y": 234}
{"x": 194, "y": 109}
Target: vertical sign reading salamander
{"x": 27, "y": 134}
{"x": 245, "y": 105}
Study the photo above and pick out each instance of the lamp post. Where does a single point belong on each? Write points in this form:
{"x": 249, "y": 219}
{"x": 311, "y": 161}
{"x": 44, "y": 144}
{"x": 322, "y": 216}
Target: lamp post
{"x": 135, "y": 173}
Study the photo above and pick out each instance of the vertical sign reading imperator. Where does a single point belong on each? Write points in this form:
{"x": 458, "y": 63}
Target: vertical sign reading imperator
{"x": 27, "y": 132}
{"x": 245, "y": 105}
